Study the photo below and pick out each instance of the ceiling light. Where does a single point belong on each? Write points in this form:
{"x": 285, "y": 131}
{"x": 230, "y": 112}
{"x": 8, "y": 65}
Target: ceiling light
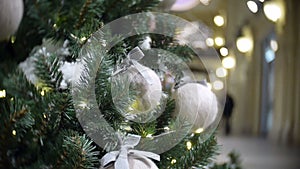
{"x": 224, "y": 51}
{"x": 274, "y": 45}
{"x": 272, "y": 11}
{"x": 218, "y": 85}
{"x": 219, "y": 41}
{"x": 219, "y": 20}
{"x": 244, "y": 44}
{"x": 228, "y": 62}
{"x": 221, "y": 72}
{"x": 209, "y": 42}
{"x": 252, "y": 6}
{"x": 269, "y": 55}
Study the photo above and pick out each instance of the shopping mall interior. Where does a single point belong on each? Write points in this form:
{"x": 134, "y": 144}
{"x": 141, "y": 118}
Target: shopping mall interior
{"x": 255, "y": 59}
{"x": 257, "y": 41}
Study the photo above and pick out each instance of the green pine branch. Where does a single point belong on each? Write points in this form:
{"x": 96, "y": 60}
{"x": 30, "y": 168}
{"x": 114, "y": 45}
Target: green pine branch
{"x": 78, "y": 152}
{"x": 17, "y": 85}
{"x": 40, "y": 126}
{"x": 47, "y": 69}
{"x": 199, "y": 155}
{"x": 17, "y": 121}
{"x": 233, "y": 163}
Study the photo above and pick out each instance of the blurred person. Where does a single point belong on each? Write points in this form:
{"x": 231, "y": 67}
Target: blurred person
{"x": 227, "y": 113}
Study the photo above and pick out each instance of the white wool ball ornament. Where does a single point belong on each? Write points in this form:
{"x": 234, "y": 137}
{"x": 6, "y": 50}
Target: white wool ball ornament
{"x": 11, "y": 13}
{"x": 196, "y": 104}
{"x": 147, "y": 86}
{"x": 136, "y": 163}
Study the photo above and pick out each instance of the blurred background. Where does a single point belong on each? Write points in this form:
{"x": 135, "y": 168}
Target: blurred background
{"x": 258, "y": 43}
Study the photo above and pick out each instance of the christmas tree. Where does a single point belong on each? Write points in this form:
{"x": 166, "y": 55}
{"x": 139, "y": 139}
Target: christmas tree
{"x": 69, "y": 58}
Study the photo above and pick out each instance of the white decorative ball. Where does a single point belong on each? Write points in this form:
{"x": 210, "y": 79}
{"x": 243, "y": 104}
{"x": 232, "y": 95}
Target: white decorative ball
{"x": 11, "y": 12}
{"x": 136, "y": 163}
{"x": 196, "y": 104}
{"x": 146, "y": 87}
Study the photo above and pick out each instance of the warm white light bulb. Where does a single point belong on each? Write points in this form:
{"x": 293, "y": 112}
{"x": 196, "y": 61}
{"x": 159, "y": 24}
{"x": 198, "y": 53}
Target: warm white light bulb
{"x": 166, "y": 128}
{"x": 199, "y": 130}
{"x": 83, "y": 39}
{"x": 149, "y": 135}
{"x": 2, "y": 93}
{"x": 219, "y": 20}
{"x": 252, "y": 6}
{"x": 228, "y": 62}
{"x": 189, "y": 145}
{"x": 43, "y": 92}
{"x": 128, "y": 128}
{"x": 14, "y": 132}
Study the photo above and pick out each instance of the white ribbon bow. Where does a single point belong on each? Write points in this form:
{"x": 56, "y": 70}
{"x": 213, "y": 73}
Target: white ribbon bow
{"x": 133, "y": 57}
{"x": 121, "y": 157}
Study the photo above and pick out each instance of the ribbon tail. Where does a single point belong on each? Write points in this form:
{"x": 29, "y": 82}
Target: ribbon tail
{"x": 108, "y": 158}
{"x": 143, "y": 71}
{"x": 136, "y": 54}
{"x": 122, "y": 161}
{"x": 146, "y": 154}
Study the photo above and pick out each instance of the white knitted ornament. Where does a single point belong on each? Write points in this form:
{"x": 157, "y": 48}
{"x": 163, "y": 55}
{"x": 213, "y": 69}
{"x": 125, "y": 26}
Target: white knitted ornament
{"x": 196, "y": 104}
{"x": 136, "y": 163}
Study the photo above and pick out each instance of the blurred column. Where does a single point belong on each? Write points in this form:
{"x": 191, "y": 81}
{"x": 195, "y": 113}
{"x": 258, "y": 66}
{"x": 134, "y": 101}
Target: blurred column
{"x": 286, "y": 122}
{"x": 238, "y": 86}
